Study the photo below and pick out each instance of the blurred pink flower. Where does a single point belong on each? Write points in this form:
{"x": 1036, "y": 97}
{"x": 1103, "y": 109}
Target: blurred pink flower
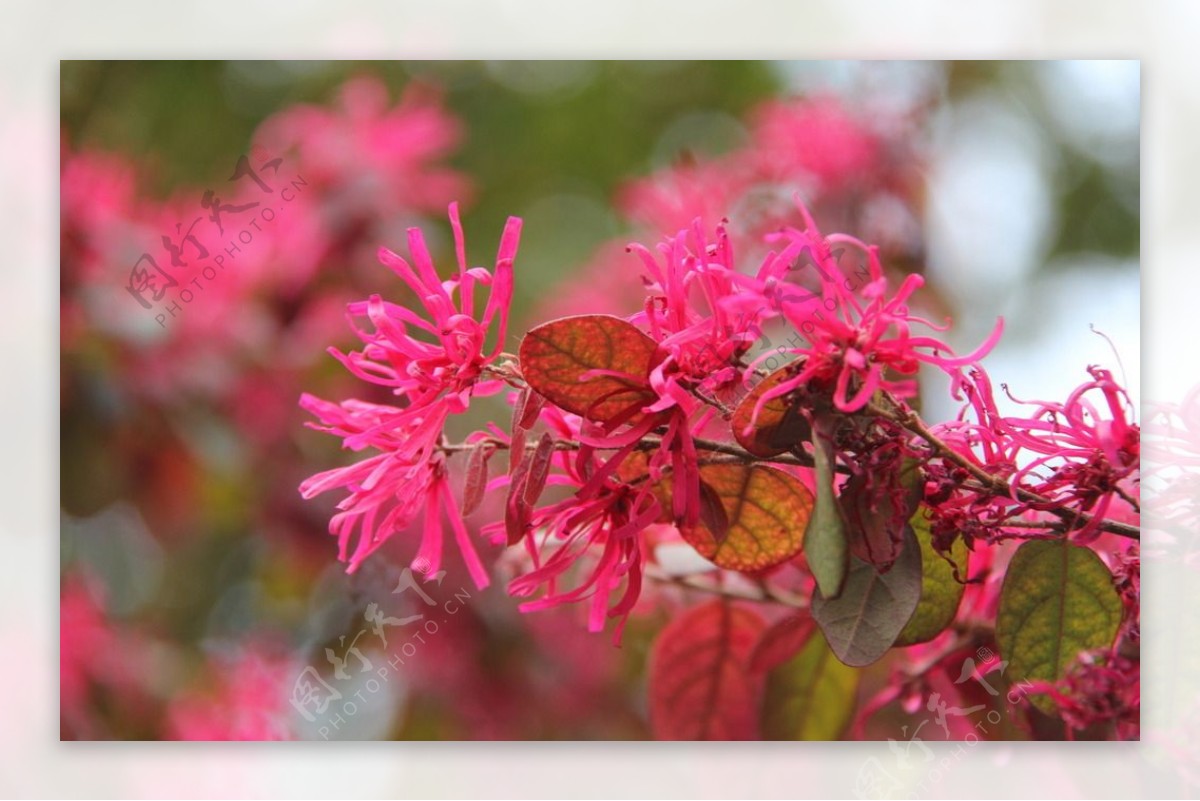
{"x": 99, "y": 658}
{"x": 817, "y": 139}
{"x": 670, "y": 199}
{"x": 85, "y": 642}
{"x": 246, "y": 699}
{"x": 369, "y": 156}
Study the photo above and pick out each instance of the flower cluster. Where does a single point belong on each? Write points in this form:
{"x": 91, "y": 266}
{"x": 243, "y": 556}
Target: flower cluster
{"x": 859, "y": 340}
{"x": 433, "y": 364}
{"x": 1078, "y": 460}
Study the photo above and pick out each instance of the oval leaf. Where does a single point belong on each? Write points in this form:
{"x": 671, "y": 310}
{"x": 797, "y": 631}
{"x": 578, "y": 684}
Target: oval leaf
{"x": 517, "y": 510}
{"x": 527, "y": 408}
{"x": 782, "y": 641}
{"x": 476, "y": 476}
{"x": 712, "y": 513}
{"x": 780, "y": 426}
{"x": 539, "y": 469}
{"x": 876, "y": 508}
{"x": 559, "y": 357}
{"x": 1057, "y": 600}
{"x": 765, "y": 512}
{"x": 811, "y": 696}
{"x": 825, "y": 540}
{"x": 941, "y": 591}
{"x": 700, "y": 684}
{"x": 863, "y": 622}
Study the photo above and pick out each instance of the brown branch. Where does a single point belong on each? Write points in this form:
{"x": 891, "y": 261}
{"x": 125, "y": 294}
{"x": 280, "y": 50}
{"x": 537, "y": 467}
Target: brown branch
{"x": 892, "y": 410}
{"x": 765, "y": 593}
{"x": 735, "y": 453}
{"x": 988, "y": 482}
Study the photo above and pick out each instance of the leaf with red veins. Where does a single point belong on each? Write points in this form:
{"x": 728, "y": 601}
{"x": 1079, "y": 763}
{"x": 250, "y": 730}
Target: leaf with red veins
{"x": 780, "y": 425}
{"x": 712, "y": 513}
{"x": 596, "y": 366}
{"x": 700, "y": 683}
{"x": 765, "y": 514}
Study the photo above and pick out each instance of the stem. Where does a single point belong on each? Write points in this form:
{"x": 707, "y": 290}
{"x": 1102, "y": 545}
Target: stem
{"x": 765, "y": 593}
{"x": 892, "y": 410}
{"x": 988, "y": 482}
{"x": 737, "y": 454}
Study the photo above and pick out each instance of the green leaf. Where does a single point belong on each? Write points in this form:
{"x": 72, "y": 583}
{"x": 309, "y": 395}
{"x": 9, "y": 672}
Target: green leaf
{"x": 863, "y": 622}
{"x": 941, "y": 592}
{"x": 559, "y": 360}
{"x": 1057, "y": 600}
{"x": 780, "y": 425}
{"x": 762, "y": 510}
{"x": 825, "y": 540}
{"x": 809, "y": 697}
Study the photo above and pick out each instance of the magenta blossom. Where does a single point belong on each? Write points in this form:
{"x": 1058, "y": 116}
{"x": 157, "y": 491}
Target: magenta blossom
{"x": 1082, "y": 454}
{"x": 434, "y": 364}
{"x": 595, "y": 534}
{"x": 858, "y": 339}
{"x": 370, "y": 155}
{"x": 702, "y": 338}
{"x": 248, "y": 701}
{"x": 819, "y": 140}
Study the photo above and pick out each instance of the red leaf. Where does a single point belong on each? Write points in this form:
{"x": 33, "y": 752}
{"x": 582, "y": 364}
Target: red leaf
{"x": 516, "y": 509}
{"x": 712, "y": 513}
{"x": 516, "y": 450}
{"x": 700, "y": 684}
{"x": 780, "y": 425}
{"x": 766, "y": 512}
{"x": 781, "y": 642}
{"x": 477, "y": 476}
{"x": 539, "y": 469}
{"x": 530, "y": 409}
{"x": 559, "y": 357}
{"x": 518, "y": 412}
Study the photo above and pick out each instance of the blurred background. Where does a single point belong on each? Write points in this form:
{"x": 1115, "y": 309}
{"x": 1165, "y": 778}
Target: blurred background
{"x": 198, "y": 589}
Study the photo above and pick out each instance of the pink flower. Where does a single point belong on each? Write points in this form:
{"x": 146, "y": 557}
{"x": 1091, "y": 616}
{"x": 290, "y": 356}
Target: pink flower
{"x": 1088, "y": 453}
{"x": 687, "y": 308}
{"x": 247, "y": 700}
{"x": 599, "y": 526}
{"x": 672, "y": 198}
{"x": 702, "y": 339}
{"x": 859, "y": 340}
{"x": 1102, "y": 688}
{"x": 102, "y": 661}
{"x": 86, "y": 642}
{"x": 816, "y": 139}
{"x": 371, "y": 157}
{"x": 98, "y": 190}
{"x": 434, "y": 363}
{"x": 1081, "y": 454}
